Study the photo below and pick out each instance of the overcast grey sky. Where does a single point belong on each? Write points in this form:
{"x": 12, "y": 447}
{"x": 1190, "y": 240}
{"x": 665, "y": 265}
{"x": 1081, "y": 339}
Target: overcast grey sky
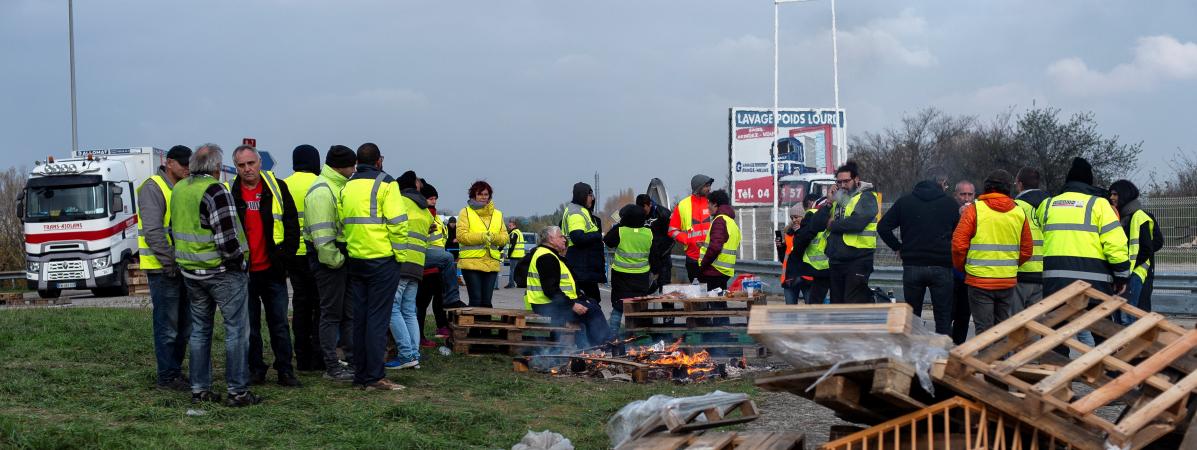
{"x": 535, "y": 95}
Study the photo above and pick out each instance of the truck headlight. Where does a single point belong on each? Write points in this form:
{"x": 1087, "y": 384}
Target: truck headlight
{"x": 100, "y": 263}
{"x": 33, "y": 266}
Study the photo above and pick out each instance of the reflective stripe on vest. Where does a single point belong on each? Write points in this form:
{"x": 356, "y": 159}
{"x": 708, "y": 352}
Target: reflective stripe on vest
{"x": 587, "y": 225}
{"x": 1035, "y": 264}
{"x": 535, "y": 295}
{"x": 1073, "y": 238}
{"x": 1135, "y": 240}
{"x": 146, "y": 258}
{"x": 438, "y": 237}
{"x": 631, "y": 256}
{"x": 814, "y": 254}
{"x": 276, "y": 205}
{"x": 410, "y": 246}
{"x": 993, "y": 250}
{"x": 694, "y": 228}
{"x": 320, "y": 233}
{"x": 517, "y": 244}
{"x": 725, "y": 262}
{"x": 366, "y": 235}
{"x": 298, "y": 185}
{"x": 195, "y": 246}
{"x": 868, "y": 237}
{"x": 495, "y": 227}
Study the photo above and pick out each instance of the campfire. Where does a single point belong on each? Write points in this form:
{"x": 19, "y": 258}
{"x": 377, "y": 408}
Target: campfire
{"x": 640, "y": 364}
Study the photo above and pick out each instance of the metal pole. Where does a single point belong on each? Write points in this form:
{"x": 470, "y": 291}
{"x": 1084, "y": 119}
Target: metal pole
{"x": 776, "y": 130}
{"x": 71, "y": 37}
{"x": 842, "y": 150}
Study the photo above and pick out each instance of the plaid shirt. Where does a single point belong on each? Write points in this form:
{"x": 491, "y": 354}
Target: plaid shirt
{"x": 218, "y": 213}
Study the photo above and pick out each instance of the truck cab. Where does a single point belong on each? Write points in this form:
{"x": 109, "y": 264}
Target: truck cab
{"x": 80, "y": 220}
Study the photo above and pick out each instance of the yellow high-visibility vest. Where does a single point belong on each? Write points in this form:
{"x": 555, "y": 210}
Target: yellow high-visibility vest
{"x": 725, "y": 263}
{"x": 145, "y": 256}
{"x": 993, "y": 250}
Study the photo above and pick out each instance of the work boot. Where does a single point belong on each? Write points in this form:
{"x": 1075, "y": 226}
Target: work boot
{"x": 287, "y": 379}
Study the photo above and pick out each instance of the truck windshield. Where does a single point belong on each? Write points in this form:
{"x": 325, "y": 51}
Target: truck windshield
{"x": 61, "y": 203}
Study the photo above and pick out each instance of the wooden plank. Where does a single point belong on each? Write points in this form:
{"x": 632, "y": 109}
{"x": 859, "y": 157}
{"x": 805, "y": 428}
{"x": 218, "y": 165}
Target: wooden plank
{"x": 1127, "y": 381}
{"x": 1050, "y": 342}
{"x": 761, "y": 320}
{"x": 1004, "y": 401}
{"x": 1094, "y": 357}
{"x": 705, "y": 313}
{"x": 569, "y": 327}
{"x": 1000, "y": 330}
{"x": 1157, "y": 381}
{"x": 657, "y": 442}
{"x": 1171, "y": 332}
{"x": 712, "y": 441}
{"x": 1159, "y": 404}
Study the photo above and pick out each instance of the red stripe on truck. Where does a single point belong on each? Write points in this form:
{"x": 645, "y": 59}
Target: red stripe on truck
{"x": 41, "y": 238}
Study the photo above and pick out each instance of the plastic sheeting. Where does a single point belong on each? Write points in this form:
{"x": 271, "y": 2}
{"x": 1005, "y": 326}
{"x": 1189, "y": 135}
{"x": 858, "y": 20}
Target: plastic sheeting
{"x": 633, "y": 415}
{"x": 821, "y": 337}
{"x": 543, "y": 440}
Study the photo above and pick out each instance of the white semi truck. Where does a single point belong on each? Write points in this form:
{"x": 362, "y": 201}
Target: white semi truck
{"x": 80, "y": 219}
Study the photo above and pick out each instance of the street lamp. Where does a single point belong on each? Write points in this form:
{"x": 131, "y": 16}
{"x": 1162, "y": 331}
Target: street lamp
{"x": 842, "y": 153}
{"x": 71, "y": 37}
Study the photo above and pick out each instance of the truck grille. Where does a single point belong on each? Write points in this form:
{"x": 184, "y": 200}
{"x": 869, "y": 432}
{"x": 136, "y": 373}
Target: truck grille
{"x": 58, "y": 266}
{"x": 71, "y": 275}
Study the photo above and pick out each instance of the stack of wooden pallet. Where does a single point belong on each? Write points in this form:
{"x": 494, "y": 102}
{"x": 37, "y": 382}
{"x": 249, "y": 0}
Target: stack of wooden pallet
{"x": 867, "y": 392}
{"x": 510, "y": 331}
{"x": 696, "y": 322}
{"x": 18, "y": 299}
{"x": 1149, "y": 367}
{"x": 139, "y": 284}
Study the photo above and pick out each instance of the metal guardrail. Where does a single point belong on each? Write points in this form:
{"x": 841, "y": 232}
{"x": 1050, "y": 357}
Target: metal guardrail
{"x": 14, "y": 275}
{"x": 1175, "y": 292}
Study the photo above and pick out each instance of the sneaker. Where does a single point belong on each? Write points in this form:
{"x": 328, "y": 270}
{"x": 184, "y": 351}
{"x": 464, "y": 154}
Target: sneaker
{"x": 427, "y": 343}
{"x": 288, "y": 380}
{"x": 395, "y": 364}
{"x": 383, "y": 385}
{"x": 339, "y": 375}
{"x": 442, "y": 333}
{"x": 179, "y": 383}
{"x": 246, "y": 398}
{"x": 204, "y": 396}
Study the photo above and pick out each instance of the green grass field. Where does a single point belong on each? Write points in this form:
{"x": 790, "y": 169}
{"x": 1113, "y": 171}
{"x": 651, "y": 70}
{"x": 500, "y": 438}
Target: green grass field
{"x": 84, "y": 378}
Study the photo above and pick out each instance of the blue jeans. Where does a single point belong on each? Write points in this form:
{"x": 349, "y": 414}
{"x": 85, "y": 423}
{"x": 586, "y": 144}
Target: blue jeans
{"x": 1134, "y": 289}
{"x": 404, "y": 325}
{"x": 372, "y": 284}
{"x": 172, "y": 324}
{"x": 230, "y": 292}
{"x": 443, "y": 261}
{"x": 594, "y": 325}
{"x": 269, "y": 289}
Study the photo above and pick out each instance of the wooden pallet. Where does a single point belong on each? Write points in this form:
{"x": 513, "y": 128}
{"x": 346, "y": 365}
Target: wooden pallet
{"x": 511, "y": 331}
{"x": 892, "y": 318}
{"x": 953, "y": 424}
{"x": 723, "y": 440}
{"x": 1149, "y": 365}
{"x": 867, "y": 392}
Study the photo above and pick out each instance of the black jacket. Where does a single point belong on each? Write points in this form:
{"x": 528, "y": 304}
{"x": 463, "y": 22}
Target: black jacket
{"x": 813, "y": 223}
{"x": 549, "y": 269}
{"x": 278, "y": 253}
{"x": 864, "y": 213}
{"x": 658, "y": 222}
{"x": 927, "y": 217}
{"x": 585, "y": 257}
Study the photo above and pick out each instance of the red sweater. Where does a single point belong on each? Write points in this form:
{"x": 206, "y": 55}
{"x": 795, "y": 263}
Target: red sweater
{"x": 967, "y": 228}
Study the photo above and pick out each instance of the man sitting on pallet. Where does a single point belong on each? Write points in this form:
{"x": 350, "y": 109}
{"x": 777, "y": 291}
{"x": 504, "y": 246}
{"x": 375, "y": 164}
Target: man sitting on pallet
{"x": 553, "y": 293}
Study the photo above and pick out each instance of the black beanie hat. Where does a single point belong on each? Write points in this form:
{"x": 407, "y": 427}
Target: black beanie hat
{"x": 428, "y": 191}
{"x": 408, "y": 180}
{"x": 1080, "y": 171}
{"x": 305, "y": 158}
{"x": 340, "y": 157}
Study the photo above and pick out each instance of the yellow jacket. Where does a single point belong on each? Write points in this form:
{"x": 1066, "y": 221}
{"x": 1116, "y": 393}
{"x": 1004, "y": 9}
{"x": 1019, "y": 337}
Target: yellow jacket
{"x": 475, "y": 234}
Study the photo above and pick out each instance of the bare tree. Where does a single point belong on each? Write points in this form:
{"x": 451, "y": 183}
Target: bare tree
{"x": 1185, "y": 183}
{"x": 12, "y": 235}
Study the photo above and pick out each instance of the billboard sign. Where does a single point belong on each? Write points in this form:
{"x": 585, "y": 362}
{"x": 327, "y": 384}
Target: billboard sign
{"x": 807, "y": 144}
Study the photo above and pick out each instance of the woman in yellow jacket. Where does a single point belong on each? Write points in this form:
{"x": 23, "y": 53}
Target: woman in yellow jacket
{"x": 480, "y": 233}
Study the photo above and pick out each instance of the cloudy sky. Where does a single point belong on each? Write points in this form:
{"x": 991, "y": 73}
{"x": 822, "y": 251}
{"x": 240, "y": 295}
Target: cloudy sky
{"x": 536, "y": 95}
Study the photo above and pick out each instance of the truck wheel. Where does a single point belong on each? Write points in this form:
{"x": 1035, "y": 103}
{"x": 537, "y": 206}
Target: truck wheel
{"x": 50, "y": 293}
{"x": 121, "y": 289}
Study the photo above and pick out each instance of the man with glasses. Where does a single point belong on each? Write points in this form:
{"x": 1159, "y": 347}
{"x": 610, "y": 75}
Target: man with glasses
{"x": 852, "y": 236}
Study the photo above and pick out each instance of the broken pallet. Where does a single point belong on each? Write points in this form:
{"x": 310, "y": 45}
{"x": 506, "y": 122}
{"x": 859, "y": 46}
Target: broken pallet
{"x": 724, "y": 440}
{"x": 867, "y": 392}
{"x": 1150, "y": 364}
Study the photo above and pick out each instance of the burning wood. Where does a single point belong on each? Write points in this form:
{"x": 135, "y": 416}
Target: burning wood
{"x": 644, "y": 363}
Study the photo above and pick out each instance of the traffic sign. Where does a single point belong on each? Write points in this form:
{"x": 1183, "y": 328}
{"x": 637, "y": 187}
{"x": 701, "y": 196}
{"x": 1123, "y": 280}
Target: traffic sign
{"x": 249, "y": 141}
{"x": 267, "y": 160}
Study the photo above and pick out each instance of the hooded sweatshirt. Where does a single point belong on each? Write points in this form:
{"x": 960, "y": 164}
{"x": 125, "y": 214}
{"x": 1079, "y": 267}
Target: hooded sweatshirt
{"x": 926, "y": 217}
{"x": 1128, "y": 205}
{"x": 967, "y": 229}
{"x": 699, "y": 213}
{"x": 321, "y": 207}
{"x": 719, "y": 236}
{"x": 418, "y": 222}
{"x": 585, "y": 257}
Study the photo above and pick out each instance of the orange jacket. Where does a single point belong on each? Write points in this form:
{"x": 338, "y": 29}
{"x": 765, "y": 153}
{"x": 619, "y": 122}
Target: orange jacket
{"x": 967, "y": 228}
{"x": 700, "y": 225}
